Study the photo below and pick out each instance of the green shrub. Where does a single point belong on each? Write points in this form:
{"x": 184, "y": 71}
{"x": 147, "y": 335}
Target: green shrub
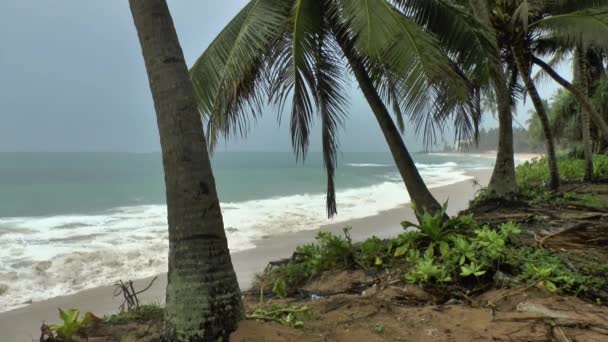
{"x": 372, "y": 252}
{"x": 532, "y": 176}
{"x": 329, "y": 252}
{"x": 455, "y": 249}
{"x": 71, "y": 326}
{"x": 550, "y": 271}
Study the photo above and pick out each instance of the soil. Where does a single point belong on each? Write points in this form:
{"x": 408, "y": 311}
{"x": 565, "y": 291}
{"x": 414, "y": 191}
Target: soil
{"x": 497, "y": 315}
{"x": 355, "y": 306}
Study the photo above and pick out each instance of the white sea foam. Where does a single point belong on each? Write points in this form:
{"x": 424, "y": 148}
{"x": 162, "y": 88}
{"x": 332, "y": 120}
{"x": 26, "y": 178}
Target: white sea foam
{"x": 44, "y": 257}
{"x": 368, "y": 165}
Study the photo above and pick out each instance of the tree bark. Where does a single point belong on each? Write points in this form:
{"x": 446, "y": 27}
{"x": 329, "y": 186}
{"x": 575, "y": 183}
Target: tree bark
{"x": 203, "y": 301}
{"x": 585, "y": 120}
{"x": 582, "y": 99}
{"x": 419, "y": 193}
{"x": 541, "y": 111}
{"x": 503, "y": 183}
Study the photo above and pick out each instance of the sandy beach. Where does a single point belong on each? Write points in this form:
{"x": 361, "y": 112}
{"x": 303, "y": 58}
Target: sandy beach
{"x": 23, "y": 324}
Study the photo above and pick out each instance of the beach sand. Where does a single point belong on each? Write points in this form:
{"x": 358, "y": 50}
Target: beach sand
{"x": 23, "y": 324}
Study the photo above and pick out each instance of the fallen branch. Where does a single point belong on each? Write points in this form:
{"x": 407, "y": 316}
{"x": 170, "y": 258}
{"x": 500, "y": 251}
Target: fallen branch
{"x": 128, "y": 292}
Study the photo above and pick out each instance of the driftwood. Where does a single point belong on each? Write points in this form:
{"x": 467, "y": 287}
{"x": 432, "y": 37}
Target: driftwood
{"x": 127, "y": 290}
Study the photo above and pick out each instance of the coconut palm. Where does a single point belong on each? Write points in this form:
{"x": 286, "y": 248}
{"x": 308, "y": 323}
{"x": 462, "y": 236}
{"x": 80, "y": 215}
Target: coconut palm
{"x": 581, "y": 74}
{"x": 301, "y": 51}
{"x": 203, "y": 301}
{"x": 502, "y": 184}
{"x": 579, "y": 24}
{"x": 519, "y": 25}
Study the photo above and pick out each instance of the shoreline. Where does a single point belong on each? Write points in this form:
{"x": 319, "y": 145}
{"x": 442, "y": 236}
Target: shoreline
{"x": 519, "y": 157}
{"x": 22, "y": 324}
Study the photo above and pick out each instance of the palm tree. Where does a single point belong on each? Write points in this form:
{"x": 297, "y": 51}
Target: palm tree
{"x": 294, "y": 50}
{"x": 524, "y": 69}
{"x": 521, "y": 37}
{"x": 585, "y": 101}
{"x": 502, "y": 184}
{"x": 572, "y": 25}
{"x": 581, "y": 72}
{"x": 203, "y": 299}
{"x": 519, "y": 25}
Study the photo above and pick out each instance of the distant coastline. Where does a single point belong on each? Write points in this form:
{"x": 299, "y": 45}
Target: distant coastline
{"x": 520, "y": 157}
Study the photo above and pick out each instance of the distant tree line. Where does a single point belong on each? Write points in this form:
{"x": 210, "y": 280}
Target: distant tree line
{"x": 523, "y": 142}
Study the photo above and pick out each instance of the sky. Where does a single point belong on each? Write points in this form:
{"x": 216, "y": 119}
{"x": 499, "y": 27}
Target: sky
{"x": 72, "y": 79}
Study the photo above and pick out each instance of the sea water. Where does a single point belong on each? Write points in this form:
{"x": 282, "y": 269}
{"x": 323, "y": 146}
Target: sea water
{"x": 72, "y": 221}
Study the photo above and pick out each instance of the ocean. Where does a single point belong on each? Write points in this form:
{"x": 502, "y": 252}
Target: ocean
{"x": 72, "y": 221}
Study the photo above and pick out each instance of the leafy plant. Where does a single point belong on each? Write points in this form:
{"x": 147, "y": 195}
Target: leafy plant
{"x": 472, "y": 269}
{"x": 491, "y": 243}
{"x": 549, "y": 270}
{"x": 463, "y": 250}
{"x": 70, "y": 326}
{"x": 329, "y": 252}
{"x": 279, "y": 288}
{"x": 404, "y": 242}
{"x": 372, "y": 252}
{"x": 426, "y": 271}
{"x": 432, "y": 226}
{"x": 379, "y": 328}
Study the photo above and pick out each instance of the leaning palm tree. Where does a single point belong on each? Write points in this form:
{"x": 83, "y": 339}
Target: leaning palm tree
{"x": 577, "y": 24}
{"x": 203, "y": 301}
{"x": 519, "y": 25}
{"x": 300, "y": 51}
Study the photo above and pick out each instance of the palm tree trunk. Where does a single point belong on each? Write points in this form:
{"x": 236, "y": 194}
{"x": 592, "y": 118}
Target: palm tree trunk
{"x": 582, "y": 99}
{"x": 503, "y": 183}
{"x": 585, "y": 120}
{"x": 419, "y": 193}
{"x": 541, "y": 111}
{"x": 203, "y": 297}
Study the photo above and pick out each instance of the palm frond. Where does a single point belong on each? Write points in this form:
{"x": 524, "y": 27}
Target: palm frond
{"x": 418, "y": 71}
{"x": 464, "y": 38}
{"x": 228, "y": 77}
{"x": 294, "y": 71}
{"x": 331, "y": 100}
{"x": 557, "y": 7}
{"x": 586, "y": 28}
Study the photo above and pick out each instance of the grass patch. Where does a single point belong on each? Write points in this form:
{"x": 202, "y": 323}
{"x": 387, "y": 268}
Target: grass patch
{"x": 144, "y": 313}
{"x": 571, "y": 169}
{"x": 533, "y": 176}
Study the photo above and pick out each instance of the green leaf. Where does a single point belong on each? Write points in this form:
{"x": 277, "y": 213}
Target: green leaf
{"x": 408, "y": 224}
{"x": 401, "y": 251}
{"x": 280, "y": 288}
{"x": 378, "y": 261}
{"x": 550, "y": 286}
{"x": 444, "y": 249}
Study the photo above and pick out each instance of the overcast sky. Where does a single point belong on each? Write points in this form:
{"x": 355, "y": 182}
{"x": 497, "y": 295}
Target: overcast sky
{"x": 72, "y": 79}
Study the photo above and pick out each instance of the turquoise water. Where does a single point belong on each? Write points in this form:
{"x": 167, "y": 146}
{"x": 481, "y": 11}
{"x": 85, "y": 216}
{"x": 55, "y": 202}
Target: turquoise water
{"x": 34, "y": 184}
{"x": 72, "y": 221}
